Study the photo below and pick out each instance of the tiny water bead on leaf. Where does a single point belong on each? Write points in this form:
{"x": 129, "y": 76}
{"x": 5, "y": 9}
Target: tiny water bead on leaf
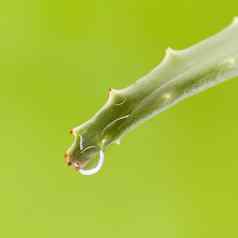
{"x": 82, "y": 155}
{"x": 181, "y": 74}
{"x": 94, "y": 169}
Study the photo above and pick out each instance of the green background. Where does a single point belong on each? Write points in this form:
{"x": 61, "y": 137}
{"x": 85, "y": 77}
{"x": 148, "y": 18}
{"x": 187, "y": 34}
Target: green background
{"x": 175, "y": 176}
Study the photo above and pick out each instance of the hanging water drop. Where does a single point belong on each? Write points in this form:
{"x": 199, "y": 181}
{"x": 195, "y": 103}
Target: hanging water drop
{"x": 95, "y": 169}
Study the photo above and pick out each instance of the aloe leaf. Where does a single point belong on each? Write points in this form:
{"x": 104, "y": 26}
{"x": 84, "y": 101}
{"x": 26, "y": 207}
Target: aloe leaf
{"x": 181, "y": 74}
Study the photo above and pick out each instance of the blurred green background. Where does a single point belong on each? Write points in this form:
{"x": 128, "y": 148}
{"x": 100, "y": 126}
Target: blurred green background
{"x": 175, "y": 176}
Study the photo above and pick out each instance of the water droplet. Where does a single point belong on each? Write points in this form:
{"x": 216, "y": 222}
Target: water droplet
{"x": 96, "y": 169}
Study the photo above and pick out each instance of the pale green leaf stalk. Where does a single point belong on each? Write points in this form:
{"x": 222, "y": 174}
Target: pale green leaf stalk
{"x": 181, "y": 74}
